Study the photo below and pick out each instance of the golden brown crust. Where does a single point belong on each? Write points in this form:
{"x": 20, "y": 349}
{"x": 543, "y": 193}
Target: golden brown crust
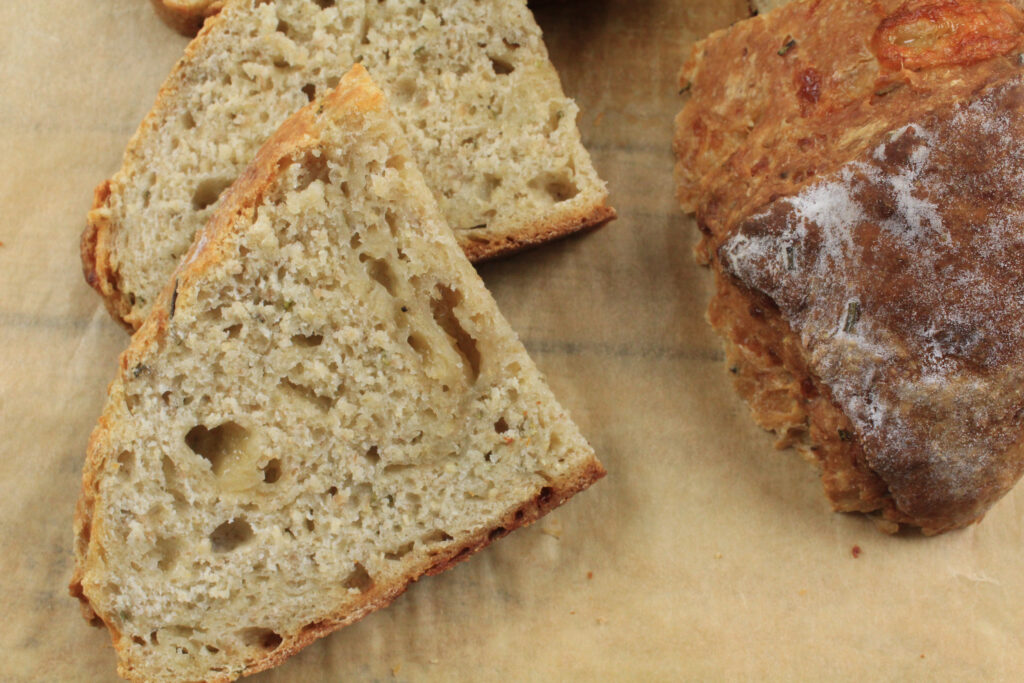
{"x": 184, "y": 17}
{"x": 549, "y": 498}
{"x": 777, "y": 103}
{"x": 557, "y": 227}
{"x": 783, "y": 97}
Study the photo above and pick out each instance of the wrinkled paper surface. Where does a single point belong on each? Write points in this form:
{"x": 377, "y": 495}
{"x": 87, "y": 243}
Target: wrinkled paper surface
{"x": 704, "y": 555}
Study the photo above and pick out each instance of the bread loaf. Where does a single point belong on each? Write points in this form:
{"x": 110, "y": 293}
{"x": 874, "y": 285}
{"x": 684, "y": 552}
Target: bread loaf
{"x": 324, "y": 405}
{"x": 834, "y": 154}
{"x": 480, "y": 103}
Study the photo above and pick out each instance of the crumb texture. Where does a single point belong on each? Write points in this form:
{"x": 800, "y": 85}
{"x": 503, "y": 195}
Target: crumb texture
{"x": 325, "y": 405}
{"x": 479, "y": 101}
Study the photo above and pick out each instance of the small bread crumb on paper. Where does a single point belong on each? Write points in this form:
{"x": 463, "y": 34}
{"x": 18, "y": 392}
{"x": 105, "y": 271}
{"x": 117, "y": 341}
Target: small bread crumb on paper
{"x": 552, "y": 528}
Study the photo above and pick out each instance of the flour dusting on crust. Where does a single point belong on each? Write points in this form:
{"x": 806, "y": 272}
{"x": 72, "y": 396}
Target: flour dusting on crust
{"x": 903, "y": 275}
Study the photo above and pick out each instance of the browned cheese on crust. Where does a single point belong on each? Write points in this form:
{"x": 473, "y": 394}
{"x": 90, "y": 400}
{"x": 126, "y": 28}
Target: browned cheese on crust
{"x": 784, "y": 104}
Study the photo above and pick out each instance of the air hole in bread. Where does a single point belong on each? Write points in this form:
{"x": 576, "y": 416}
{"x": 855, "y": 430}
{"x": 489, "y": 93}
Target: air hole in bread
{"x": 333, "y": 491}
{"x": 211, "y": 649}
{"x": 260, "y": 637}
{"x": 404, "y": 88}
{"x": 307, "y": 340}
{"x": 380, "y": 271}
{"x": 188, "y": 121}
{"x": 272, "y": 471}
{"x": 284, "y": 27}
{"x": 208, "y": 191}
{"x": 314, "y": 626}
{"x": 555, "y": 116}
{"x": 358, "y": 579}
{"x": 399, "y": 552}
{"x": 443, "y": 309}
{"x": 231, "y": 535}
{"x": 168, "y": 550}
{"x": 519, "y": 515}
{"x": 545, "y": 494}
{"x": 389, "y": 216}
{"x": 502, "y": 67}
{"x": 559, "y": 187}
{"x": 302, "y": 391}
{"x": 312, "y": 167}
{"x": 309, "y": 90}
{"x": 138, "y": 640}
{"x": 436, "y": 536}
{"x": 325, "y": 4}
{"x": 497, "y": 533}
{"x": 501, "y": 426}
{"x": 491, "y": 183}
{"x": 419, "y": 344}
{"x": 396, "y": 468}
{"x": 372, "y": 455}
{"x": 233, "y": 331}
{"x": 126, "y": 463}
{"x": 218, "y": 445}
{"x": 310, "y": 525}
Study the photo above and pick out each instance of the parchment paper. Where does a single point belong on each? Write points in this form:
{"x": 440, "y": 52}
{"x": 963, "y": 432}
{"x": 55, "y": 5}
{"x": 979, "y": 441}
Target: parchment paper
{"x": 704, "y": 555}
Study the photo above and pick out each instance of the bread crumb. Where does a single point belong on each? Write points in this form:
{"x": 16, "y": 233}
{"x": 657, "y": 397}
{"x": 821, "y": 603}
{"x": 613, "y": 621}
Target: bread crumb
{"x": 718, "y": 556}
{"x": 395, "y": 669}
{"x": 802, "y": 591}
{"x": 552, "y": 529}
{"x": 590, "y": 575}
{"x": 855, "y": 551}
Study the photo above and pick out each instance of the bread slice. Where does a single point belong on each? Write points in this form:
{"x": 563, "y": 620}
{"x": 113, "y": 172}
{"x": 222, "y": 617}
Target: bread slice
{"x": 480, "y": 103}
{"x": 784, "y": 110}
{"x": 324, "y": 405}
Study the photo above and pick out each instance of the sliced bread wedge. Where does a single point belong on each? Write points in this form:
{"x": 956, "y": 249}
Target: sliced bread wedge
{"x": 480, "y": 103}
{"x": 324, "y": 405}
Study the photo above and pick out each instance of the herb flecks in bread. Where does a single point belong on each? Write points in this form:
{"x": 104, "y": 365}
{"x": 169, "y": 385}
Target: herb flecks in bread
{"x": 479, "y": 100}
{"x": 333, "y": 408}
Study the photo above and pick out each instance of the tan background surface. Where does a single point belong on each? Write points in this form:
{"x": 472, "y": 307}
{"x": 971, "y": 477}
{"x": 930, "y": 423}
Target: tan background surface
{"x": 711, "y": 555}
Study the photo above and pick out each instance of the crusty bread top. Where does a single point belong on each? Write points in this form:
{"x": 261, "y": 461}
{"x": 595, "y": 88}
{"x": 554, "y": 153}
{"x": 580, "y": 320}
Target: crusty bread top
{"x": 780, "y": 98}
{"x": 902, "y": 274}
{"x": 778, "y": 103}
{"x": 480, "y": 102}
{"x": 324, "y": 405}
